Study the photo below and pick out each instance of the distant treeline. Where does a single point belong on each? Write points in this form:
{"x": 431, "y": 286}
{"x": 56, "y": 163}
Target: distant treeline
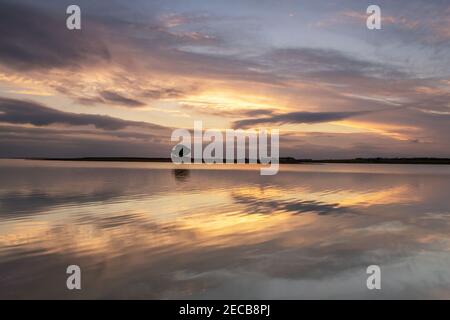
{"x": 284, "y": 160}
{"x": 385, "y": 160}
{"x": 117, "y": 159}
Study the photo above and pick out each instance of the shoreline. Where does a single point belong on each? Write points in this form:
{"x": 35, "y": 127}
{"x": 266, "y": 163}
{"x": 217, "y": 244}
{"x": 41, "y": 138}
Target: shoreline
{"x": 289, "y": 160}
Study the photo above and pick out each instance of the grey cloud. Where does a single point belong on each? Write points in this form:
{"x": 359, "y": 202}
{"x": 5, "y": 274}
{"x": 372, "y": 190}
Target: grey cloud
{"x": 298, "y": 117}
{"x": 116, "y": 98}
{"x": 258, "y": 112}
{"x": 27, "y": 112}
{"x": 108, "y": 97}
{"x": 71, "y": 147}
{"x": 322, "y": 61}
{"x": 164, "y": 93}
{"x": 10, "y": 132}
{"x": 35, "y": 39}
{"x": 18, "y": 141}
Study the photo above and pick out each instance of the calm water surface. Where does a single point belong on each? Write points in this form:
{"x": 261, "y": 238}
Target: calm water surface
{"x": 157, "y": 231}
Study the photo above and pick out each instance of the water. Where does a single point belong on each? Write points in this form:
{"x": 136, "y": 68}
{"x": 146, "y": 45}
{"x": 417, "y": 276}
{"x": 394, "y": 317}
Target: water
{"x": 155, "y": 231}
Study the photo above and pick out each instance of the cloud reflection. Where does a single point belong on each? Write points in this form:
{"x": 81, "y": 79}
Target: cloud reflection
{"x": 138, "y": 233}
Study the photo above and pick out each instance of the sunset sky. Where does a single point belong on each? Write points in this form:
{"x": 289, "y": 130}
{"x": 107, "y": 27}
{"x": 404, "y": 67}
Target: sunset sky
{"x": 138, "y": 70}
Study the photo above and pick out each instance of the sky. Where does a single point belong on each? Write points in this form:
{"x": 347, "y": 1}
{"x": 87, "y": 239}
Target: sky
{"x": 138, "y": 70}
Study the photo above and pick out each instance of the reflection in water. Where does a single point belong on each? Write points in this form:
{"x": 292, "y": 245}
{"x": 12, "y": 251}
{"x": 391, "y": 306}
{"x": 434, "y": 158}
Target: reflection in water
{"x": 308, "y": 232}
{"x": 181, "y": 174}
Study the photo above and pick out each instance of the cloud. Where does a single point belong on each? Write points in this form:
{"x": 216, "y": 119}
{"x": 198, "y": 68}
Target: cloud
{"x": 172, "y": 20}
{"x": 207, "y": 109}
{"x": 114, "y": 53}
{"x": 27, "y": 112}
{"x": 166, "y": 93}
{"x": 18, "y": 141}
{"x": 34, "y": 39}
{"x": 319, "y": 61}
{"x": 298, "y": 117}
{"x": 131, "y": 55}
{"x": 109, "y": 97}
{"x": 360, "y": 17}
{"x": 116, "y": 98}
{"x": 425, "y": 22}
